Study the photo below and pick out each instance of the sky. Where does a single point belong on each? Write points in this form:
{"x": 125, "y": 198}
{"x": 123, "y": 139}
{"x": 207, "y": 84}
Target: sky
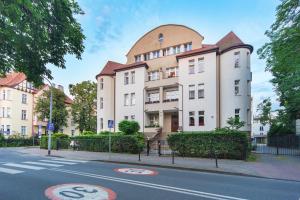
{"x": 111, "y": 27}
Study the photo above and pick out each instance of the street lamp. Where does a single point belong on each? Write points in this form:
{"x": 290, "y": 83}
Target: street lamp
{"x": 50, "y": 117}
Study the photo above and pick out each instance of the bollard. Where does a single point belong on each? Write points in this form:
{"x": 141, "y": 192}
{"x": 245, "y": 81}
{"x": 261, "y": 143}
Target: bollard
{"x": 139, "y": 156}
{"x": 159, "y": 148}
{"x": 148, "y": 147}
{"x": 173, "y": 157}
{"x": 216, "y": 158}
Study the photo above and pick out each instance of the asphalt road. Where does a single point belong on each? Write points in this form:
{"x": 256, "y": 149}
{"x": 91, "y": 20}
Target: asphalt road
{"x": 29, "y": 177}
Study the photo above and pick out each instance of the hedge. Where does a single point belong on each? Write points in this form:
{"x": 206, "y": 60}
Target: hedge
{"x": 225, "y": 143}
{"x": 58, "y": 141}
{"x": 119, "y": 143}
{"x": 17, "y": 142}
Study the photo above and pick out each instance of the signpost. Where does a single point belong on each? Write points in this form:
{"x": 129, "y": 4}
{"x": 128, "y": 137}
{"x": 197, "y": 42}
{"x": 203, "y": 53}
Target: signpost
{"x": 110, "y": 126}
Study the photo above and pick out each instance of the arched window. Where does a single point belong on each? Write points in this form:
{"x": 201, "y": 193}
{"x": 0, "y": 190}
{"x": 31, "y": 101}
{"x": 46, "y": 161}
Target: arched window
{"x": 160, "y": 37}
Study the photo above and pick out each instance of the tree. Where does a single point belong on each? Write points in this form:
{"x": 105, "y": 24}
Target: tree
{"x": 35, "y": 33}
{"x": 282, "y": 55}
{"x": 264, "y": 109}
{"x": 235, "y": 123}
{"x": 59, "y": 110}
{"x": 84, "y": 107}
{"x": 129, "y": 127}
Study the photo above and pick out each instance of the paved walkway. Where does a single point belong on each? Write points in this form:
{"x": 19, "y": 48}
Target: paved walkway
{"x": 270, "y": 166}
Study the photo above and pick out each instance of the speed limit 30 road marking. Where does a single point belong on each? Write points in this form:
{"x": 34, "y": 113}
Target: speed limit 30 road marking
{"x": 136, "y": 171}
{"x": 79, "y": 191}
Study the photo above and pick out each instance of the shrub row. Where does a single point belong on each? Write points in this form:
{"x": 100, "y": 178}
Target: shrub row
{"x": 119, "y": 143}
{"x": 58, "y": 141}
{"x": 17, "y": 142}
{"x": 223, "y": 142}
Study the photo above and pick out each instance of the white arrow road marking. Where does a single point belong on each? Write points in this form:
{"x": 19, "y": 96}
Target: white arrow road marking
{"x": 151, "y": 185}
{"x": 70, "y": 160}
{"x": 23, "y": 166}
{"x": 43, "y": 164}
{"x": 58, "y": 162}
{"x": 10, "y": 171}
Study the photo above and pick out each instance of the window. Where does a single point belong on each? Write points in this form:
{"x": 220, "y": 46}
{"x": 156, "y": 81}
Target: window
{"x": 192, "y": 118}
{"x": 200, "y": 65}
{"x": 192, "y": 66}
{"x": 188, "y": 47}
{"x": 126, "y": 78}
{"x": 132, "y": 99}
{"x": 8, "y": 113}
{"x": 2, "y": 129}
{"x": 160, "y": 38}
{"x": 191, "y": 91}
{"x": 237, "y": 113}
{"x": 24, "y": 98}
{"x": 101, "y": 123}
{"x": 7, "y": 129}
{"x": 201, "y": 118}
{"x": 101, "y": 102}
{"x": 155, "y": 54}
{"x": 23, "y": 130}
{"x": 166, "y": 52}
{"x": 261, "y": 128}
{"x": 152, "y": 76}
{"x": 132, "y": 117}
{"x": 132, "y": 77}
{"x": 126, "y": 100}
{"x": 126, "y": 117}
{"x": 172, "y": 95}
{"x": 101, "y": 84}
{"x": 176, "y": 49}
{"x": 172, "y": 72}
{"x": 237, "y": 59}
{"x": 153, "y": 119}
{"x": 24, "y": 115}
{"x": 153, "y": 97}
{"x": 138, "y": 58}
{"x": 248, "y": 88}
{"x": 3, "y": 95}
{"x": 248, "y": 60}
{"x": 146, "y": 56}
{"x": 200, "y": 90}
{"x": 237, "y": 87}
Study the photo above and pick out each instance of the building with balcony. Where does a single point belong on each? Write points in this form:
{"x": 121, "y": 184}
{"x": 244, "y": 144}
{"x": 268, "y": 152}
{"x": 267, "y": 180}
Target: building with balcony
{"x": 173, "y": 82}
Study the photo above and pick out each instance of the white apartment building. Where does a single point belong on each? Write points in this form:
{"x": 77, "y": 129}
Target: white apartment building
{"x": 173, "y": 82}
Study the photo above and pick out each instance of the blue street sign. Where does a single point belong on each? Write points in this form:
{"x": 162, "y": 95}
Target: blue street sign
{"x": 50, "y": 127}
{"x": 110, "y": 123}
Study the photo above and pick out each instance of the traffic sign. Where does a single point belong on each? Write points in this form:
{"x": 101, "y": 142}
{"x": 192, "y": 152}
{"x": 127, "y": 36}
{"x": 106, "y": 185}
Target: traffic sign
{"x": 50, "y": 127}
{"x": 136, "y": 171}
{"x": 79, "y": 191}
{"x": 110, "y": 123}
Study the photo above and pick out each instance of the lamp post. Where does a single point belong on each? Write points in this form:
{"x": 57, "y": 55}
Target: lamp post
{"x": 50, "y": 117}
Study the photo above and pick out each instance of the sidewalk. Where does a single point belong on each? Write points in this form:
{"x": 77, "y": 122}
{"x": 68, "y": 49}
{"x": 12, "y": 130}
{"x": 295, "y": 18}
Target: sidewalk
{"x": 269, "y": 166}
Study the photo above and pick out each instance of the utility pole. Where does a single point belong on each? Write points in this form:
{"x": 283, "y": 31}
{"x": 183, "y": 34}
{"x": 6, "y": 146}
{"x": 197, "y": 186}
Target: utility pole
{"x": 50, "y": 117}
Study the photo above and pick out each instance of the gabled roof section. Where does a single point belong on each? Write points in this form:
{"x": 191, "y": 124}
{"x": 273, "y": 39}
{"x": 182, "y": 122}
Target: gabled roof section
{"x": 230, "y": 41}
{"x": 206, "y": 48}
{"x": 12, "y": 79}
{"x": 131, "y": 66}
{"x": 108, "y": 69}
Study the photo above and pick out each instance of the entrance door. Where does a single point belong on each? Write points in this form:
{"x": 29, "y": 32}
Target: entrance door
{"x": 174, "y": 123}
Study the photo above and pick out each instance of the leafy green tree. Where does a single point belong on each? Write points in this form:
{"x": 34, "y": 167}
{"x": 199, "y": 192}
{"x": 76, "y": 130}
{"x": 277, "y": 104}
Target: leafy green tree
{"x": 129, "y": 127}
{"x": 235, "y": 123}
{"x": 282, "y": 55}
{"x": 36, "y": 33}
{"x": 264, "y": 109}
{"x": 84, "y": 106}
{"x": 59, "y": 109}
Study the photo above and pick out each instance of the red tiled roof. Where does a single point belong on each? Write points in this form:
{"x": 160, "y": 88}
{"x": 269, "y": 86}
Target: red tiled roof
{"x": 109, "y": 68}
{"x": 68, "y": 100}
{"x": 12, "y": 79}
{"x": 133, "y": 65}
{"x": 205, "y": 49}
{"x": 230, "y": 41}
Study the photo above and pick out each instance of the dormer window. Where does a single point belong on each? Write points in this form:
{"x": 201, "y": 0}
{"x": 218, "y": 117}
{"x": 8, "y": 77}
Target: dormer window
{"x": 160, "y": 38}
{"x": 138, "y": 58}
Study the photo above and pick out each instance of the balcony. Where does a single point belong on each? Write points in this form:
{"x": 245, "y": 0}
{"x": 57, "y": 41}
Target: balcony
{"x": 162, "y": 78}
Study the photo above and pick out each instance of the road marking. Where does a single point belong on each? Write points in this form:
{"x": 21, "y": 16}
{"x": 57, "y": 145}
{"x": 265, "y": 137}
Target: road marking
{"x": 136, "y": 171}
{"x": 70, "y": 160}
{"x": 43, "y": 164}
{"x": 79, "y": 191}
{"x": 59, "y": 162}
{"x": 10, "y": 171}
{"x": 23, "y": 166}
{"x": 152, "y": 185}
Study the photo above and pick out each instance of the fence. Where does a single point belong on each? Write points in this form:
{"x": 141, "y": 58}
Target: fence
{"x": 280, "y": 145}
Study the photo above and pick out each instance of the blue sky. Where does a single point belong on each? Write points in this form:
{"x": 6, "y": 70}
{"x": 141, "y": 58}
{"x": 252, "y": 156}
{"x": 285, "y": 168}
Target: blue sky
{"x": 111, "y": 27}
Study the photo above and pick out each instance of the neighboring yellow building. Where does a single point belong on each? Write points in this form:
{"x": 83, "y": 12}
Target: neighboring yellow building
{"x": 17, "y": 103}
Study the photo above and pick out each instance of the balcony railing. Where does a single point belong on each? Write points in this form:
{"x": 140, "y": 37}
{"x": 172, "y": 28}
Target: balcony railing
{"x": 169, "y": 100}
{"x": 151, "y": 102}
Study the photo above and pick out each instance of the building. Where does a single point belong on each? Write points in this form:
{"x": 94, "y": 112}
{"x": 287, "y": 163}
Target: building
{"x": 259, "y": 131}
{"x": 173, "y": 82}
{"x": 17, "y": 102}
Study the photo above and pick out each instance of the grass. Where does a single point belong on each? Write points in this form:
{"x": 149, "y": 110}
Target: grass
{"x": 252, "y": 157}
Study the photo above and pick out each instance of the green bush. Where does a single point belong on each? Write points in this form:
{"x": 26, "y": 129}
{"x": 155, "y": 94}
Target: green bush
{"x": 17, "y": 142}
{"x": 58, "y": 141}
{"x": 88, "y": 133}
{"x": 230, "y": 144}
{"x": 120, "y": 143}
{"x": 129, "y": 127}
